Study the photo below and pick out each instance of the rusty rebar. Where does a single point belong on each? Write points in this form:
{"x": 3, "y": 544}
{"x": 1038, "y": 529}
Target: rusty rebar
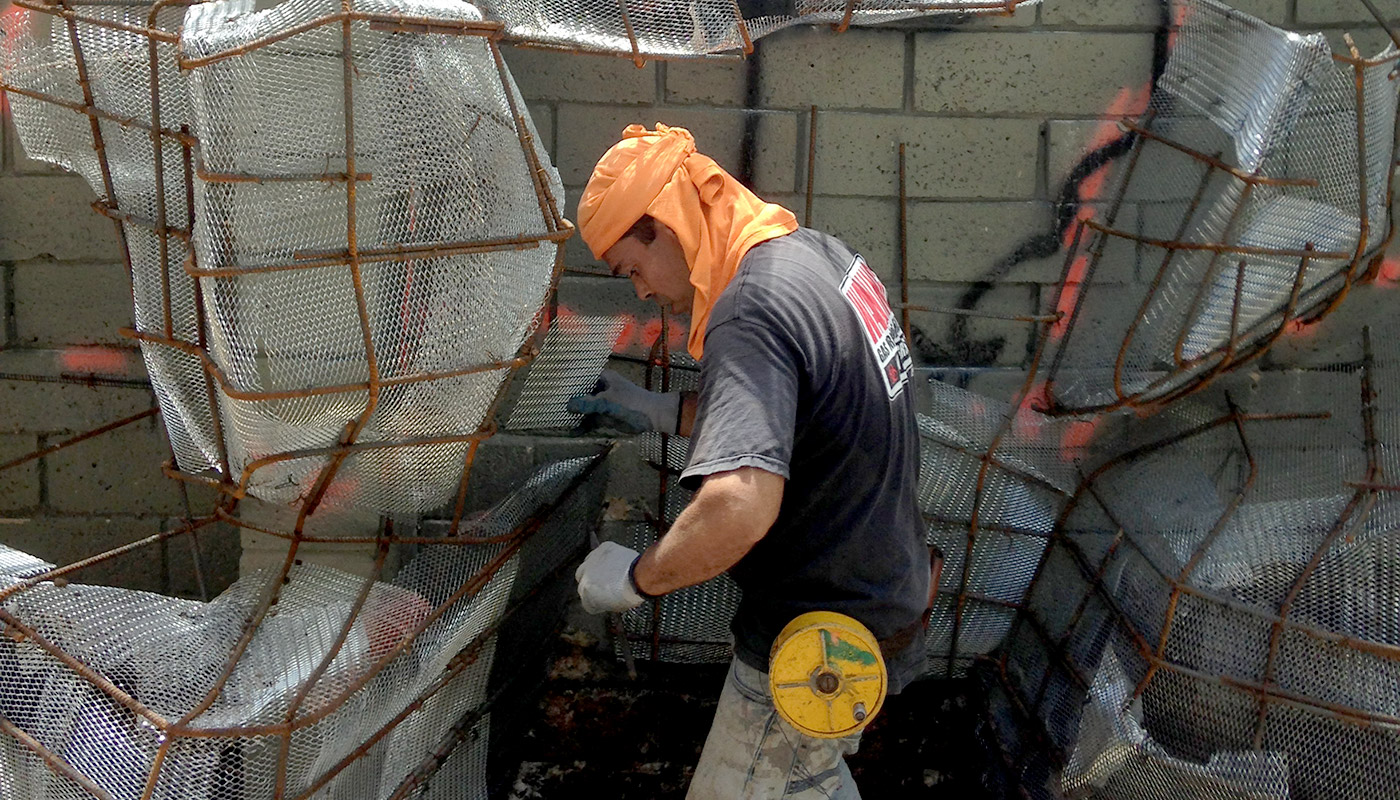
{"x": 904, "y": 308}
{"x": 811, "y": 165}
{"x": 82, "y": 437}
{"x": 53, "y": 761}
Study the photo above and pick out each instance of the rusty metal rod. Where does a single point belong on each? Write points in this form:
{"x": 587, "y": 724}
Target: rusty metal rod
{"x": 235, "y": 393}
{"x": 52, "y": 761}
{"x": 970, "y": 312}
{"x": 82, "y": 437}
{"x": 90, "y": 110}
{"x": 1248, "y": 177}
{"x": 107, "y": 209}
{"x": 463, "y": 27}
{"x": 62, "y": 10}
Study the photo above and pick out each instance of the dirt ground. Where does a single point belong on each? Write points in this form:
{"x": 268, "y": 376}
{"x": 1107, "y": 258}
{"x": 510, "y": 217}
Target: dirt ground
{"x": 591, "y": 731}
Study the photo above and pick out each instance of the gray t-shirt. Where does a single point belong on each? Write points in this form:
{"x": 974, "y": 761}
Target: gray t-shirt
{"x": 806, "y": 375}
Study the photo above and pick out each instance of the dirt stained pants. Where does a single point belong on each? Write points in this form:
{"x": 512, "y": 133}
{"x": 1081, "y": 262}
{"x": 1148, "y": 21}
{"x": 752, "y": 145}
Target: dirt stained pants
{"x": 753, "y": 754}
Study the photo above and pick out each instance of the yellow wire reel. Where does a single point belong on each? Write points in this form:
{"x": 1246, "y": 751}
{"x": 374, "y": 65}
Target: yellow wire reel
{"x": 826, "y": 675}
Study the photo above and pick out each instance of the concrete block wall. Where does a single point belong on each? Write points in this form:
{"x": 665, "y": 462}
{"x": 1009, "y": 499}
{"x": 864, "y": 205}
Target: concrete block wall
{"x": 993, "y": 115}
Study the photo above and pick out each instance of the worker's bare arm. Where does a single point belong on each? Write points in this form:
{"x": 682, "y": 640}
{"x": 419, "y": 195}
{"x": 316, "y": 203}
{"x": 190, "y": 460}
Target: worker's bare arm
{"x": 690, "y": 401}
{"x": 727, "y": 517}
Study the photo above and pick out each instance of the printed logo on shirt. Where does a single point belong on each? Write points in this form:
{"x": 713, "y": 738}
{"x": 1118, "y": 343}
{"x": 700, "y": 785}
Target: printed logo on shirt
{"x": 866, "y": 295}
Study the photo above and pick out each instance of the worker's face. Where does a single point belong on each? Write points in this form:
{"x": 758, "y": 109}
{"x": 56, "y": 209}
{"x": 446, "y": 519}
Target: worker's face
{"x": 658, "y": 270}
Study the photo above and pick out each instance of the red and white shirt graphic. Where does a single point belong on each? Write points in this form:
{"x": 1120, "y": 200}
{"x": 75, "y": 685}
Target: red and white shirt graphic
{"x": 866, "y": 295}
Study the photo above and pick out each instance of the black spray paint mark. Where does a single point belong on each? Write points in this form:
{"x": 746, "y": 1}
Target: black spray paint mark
{"x": 960, "y": 350}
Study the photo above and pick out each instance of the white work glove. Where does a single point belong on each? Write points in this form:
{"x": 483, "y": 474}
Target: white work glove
{"x": 605, "y": 579}
{"x": 622, "y": 405}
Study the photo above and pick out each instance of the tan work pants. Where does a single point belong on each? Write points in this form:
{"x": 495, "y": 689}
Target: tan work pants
{"x": 751, "y": 753}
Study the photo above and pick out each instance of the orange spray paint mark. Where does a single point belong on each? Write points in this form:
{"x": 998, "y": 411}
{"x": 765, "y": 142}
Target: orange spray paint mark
{"x": 105, "y": 360}
{"x": 1388, "y": 276}
{"x": 1037, "y": 399}
{"x": 1300, "y": 329}
{"x": 1077, "y": 436}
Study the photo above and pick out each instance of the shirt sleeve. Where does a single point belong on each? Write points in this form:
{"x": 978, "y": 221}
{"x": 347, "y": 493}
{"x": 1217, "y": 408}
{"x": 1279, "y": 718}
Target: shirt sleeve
{"x": 748, "y": 403}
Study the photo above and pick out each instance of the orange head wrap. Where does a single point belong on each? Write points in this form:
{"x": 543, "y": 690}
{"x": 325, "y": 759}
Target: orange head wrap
{"x": 715, "y": 218}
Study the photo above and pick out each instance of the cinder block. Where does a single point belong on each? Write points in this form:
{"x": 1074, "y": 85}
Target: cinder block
{"x": 718, "y": 134}
{"x": 1004, "y": 384}
{"x": 858, "y": 154}
{"x": 936, "y": 344}
{"x": 1162, "y": 173}
{"x": 48, "y": 407}
{"x": 65, "y": 540}
{"x": 967, "y": 241}
{"x": 542, "y": 114}
{"x": 1370, "y": 40}
{"x": 1120, "y": 261}
{"x": 52, "y": 215}
{"x": 590, "y": 296}
{"x": 711, "y": 83}
{"x": 813, "y": 65}
{"x": 1143, "y": 13}
{"x": 631, "y": 492}
{"x": 47, "y": 295}
{"x": 1024, "y": 16}
{"x": 551, "y": 75}
{"x": 870, "y": 225}
{"x": 1337, "y": 338}
{"x": 1031, "y": 72}
{"x": 116, "y": 472}
{"x": 503, "y": 462}
{"x": 1326, "y": 12}
{"x": 19, "y": 486}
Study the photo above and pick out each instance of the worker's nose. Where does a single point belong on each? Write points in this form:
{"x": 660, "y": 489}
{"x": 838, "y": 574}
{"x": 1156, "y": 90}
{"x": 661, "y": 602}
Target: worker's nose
{"x": 643, "y": 292}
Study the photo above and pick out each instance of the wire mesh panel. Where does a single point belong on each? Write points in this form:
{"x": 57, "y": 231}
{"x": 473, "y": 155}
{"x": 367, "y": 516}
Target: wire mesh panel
{"x": 309, "y": 682}
{"x": 1215, "y": 617}
{"x": 1261, "y": 176}
{"x": 376, "y": 231}
{"x": 693, "y": 28}
{"x": 993, "y": 480}
{"x": 569, "y": 363}
{"x": 95, "y": 88}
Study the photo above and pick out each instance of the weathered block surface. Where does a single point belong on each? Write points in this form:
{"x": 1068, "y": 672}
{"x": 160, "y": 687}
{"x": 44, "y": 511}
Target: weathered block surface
{"x": 48, "y": 293}
{"x": 858, "y": 154}
{"x": 550, "y": 75}
{"x": 53, "y": 216}
{"x": 19, "y": 486}
{"x": 1028, "y": 73}
{"x": 858, "y": 69}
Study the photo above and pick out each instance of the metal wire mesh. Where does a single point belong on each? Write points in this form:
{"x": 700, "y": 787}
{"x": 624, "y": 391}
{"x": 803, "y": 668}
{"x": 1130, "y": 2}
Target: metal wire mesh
{"x": 694, "y": 28}
{"x": 1215, "y": 615}
{"x": 569, "y": 363}
{"x": 115, "y": 65}
{"x": 992, "y": 481}
{"x": 308, "y": 682}
{"x": 366, "y": 225}
{"x": 372, "y": 239}
{"x": 1261, "y": 175}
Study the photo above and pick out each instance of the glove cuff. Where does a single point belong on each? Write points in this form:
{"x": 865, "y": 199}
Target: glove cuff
{"x": 632, "y": 579}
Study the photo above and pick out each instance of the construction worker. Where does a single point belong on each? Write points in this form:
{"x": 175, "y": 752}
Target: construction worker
{"x": 804, "y": 451}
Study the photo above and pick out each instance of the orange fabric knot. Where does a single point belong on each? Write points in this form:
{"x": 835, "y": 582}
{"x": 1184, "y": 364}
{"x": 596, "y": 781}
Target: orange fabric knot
{"x": 715, "y": 218}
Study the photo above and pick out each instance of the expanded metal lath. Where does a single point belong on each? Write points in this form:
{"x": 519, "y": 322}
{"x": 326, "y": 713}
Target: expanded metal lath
{"x": 1260, "y": 173}
{"x": 345, "y": 687}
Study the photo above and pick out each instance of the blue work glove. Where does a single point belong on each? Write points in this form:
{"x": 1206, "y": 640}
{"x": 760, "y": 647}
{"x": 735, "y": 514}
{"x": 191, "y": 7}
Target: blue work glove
{"x": 619, "y": 404}
{"x": 605, "y": 579}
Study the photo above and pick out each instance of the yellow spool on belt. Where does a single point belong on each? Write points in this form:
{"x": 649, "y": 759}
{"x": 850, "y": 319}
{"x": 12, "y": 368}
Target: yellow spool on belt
{"x": 826, "y": 675}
